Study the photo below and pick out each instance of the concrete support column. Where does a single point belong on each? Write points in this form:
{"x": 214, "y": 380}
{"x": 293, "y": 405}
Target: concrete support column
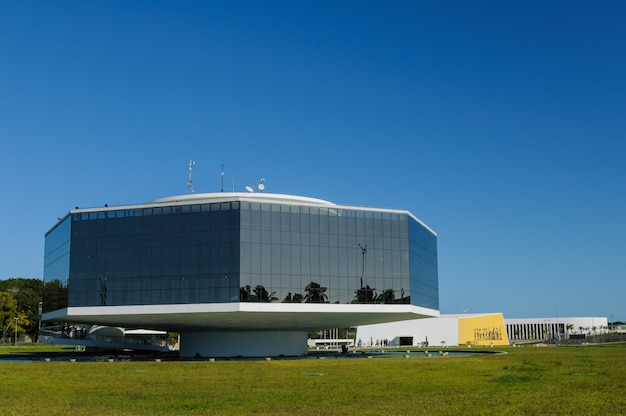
{"x": 242, "y": 343}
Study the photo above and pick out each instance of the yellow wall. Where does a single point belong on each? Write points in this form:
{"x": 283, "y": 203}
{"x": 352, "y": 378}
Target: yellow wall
{"x": 483, "y": 330}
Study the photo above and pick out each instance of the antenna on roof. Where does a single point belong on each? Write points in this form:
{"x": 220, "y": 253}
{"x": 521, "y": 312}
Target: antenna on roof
{"x": 222, "y": 177}
{"x": 189, "y": 181}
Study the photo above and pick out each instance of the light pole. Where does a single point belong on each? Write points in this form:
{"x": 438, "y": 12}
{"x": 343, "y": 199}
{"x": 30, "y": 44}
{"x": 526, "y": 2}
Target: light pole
{"x": 558, "y": 329}
{"x": 40, "y": 310}
{"x": 15, "y": 340}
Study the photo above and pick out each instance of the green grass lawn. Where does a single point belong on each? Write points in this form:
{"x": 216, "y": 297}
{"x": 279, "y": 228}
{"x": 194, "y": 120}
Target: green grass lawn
{"x": 526, "y": 381}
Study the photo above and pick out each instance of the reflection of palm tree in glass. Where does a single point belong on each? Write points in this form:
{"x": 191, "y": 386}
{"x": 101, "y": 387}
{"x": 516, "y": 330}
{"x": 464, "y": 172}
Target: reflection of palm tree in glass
{"x": 258, "y": 294}
{"x": 315, "y": 293}
{"x": 245, "y": 293}
{"x": 296, "y": 298}
{"x": 365, "y": 295}
{"x": 262, "y": 295}
{"x": 386, "y": 297}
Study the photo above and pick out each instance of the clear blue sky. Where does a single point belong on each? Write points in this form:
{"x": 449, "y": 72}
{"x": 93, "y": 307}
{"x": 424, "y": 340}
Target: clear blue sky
{"x": 502, "y": 125}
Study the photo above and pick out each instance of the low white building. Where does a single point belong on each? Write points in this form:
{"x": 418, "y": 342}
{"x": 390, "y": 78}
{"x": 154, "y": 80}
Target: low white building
{"x": 485, "y": 329}
{"x": 555, "y": 328}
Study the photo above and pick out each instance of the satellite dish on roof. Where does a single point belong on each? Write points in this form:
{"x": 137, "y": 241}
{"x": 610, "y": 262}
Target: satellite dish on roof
{"x": 258, "y": 186}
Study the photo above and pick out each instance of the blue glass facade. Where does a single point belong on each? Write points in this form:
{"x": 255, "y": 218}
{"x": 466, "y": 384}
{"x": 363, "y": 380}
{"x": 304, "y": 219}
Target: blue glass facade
{"x": 216, "y": 252}
{"x": 57, "y": 253}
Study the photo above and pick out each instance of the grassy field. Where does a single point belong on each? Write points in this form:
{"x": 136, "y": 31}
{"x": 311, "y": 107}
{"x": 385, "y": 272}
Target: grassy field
{"x": 526, "y": 381}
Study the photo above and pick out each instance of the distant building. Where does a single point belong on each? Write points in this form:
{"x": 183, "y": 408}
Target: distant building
{"x": 479, "y": 330}
{"x": 241, "y": 273}
{"x": 523, "y": 329}
{"x": 447, "y": 330}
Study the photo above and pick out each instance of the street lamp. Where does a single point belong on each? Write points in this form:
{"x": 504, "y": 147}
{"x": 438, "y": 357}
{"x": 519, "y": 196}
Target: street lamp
{"x": 15, "y": 340}
{"x": 40, "y": 310}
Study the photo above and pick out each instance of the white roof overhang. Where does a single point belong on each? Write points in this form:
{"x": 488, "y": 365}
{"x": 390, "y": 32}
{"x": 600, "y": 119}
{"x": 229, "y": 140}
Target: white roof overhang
{"x": 240, "y": 316}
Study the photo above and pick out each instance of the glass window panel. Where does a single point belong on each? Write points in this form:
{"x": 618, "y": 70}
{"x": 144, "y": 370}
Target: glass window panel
{"x": 314, "y": 219}
{"x": 275, "y": 262}
{"x": 266, "y": 220}
{"x": 285, "y": 259}
{"x": 255, "y": 236}
{"x": 245, "y": 218}
{"x": 285, "y": 218}
{"x": 304, "y": 221}
{"x": 295, "y": 219}
{"x": 323, "y": 261}
{"x": 333, "y": 262}
{"x": 245, "y": 258}
{"x": 333, "y": 224}
{"x": 314, "y": 261}
{"x": 255, "y": 216}
{"x": 275, "y": 237}
{"x": 255, "y": 258}
{"x": 275, "y": 217}
{"x": 305, "y": 261}
{"x": 323, "y": 220}
{"x": 224, "y": 259}
{"x": 295, "y": 260}
{"x": 265, "y": 237}
{"x": 266, "y": 259}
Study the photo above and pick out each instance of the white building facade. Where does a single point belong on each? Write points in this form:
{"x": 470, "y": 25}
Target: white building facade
{"x": 446, "y": 330}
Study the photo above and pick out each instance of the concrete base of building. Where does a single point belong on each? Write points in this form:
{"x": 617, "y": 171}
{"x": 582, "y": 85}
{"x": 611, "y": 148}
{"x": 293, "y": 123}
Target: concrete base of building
{"x": 243, "y": 344}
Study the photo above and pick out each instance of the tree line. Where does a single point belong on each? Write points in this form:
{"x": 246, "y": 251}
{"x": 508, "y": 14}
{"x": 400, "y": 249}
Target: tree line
{"x": 19, "y": 305}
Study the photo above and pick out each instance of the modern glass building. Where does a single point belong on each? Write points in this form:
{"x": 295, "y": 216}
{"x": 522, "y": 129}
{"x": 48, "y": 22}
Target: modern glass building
{"x": 227, "y": 268}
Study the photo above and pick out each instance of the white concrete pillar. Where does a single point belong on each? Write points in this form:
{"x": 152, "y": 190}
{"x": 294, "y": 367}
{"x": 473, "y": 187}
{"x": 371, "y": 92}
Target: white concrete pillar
{"x": 242, "y": 343}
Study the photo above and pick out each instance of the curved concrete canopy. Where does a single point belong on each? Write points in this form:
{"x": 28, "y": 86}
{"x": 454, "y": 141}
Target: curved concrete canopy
{"x": 241, "y": 316}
